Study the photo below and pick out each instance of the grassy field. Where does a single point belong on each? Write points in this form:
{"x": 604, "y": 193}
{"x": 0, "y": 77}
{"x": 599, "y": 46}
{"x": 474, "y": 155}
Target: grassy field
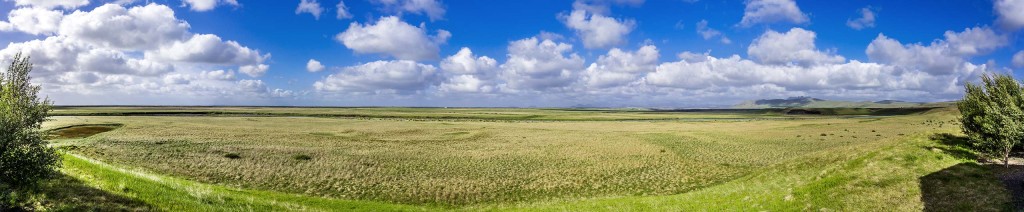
{"x": 478, "y": 114}
{"x": 556, "y": 160}
{"x": 475, "y": 114}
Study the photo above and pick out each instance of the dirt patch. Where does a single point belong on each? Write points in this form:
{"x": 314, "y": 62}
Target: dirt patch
{"x": 81, "y": 131}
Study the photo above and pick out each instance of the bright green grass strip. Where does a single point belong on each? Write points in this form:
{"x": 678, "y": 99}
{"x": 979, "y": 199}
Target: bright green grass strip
{"x": 174, "y": 194}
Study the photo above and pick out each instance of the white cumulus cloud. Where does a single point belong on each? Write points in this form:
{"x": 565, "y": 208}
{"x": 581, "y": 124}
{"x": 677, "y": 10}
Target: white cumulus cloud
{"x": 1011, "y": 13}
{"x": 464, "y": 62}
{"x": 33, "y": 20}
{"x": 620, "y": 67}
{"x": 899, "y": 71}
{"x": 1018, "y": 59}
{"x": 854, "y": 76}
{"x": 932, "y": 58}
{"x": 255, "y": 70}
{"x": 771, "y": 11}
{"x": 534, "y": 64}
{"x": 939, "y": 57}
{"x": 140, "y": 55}
{"x": 313, "y": 8}
{"x": 468, "y": 73}
{"x": 342, "y": 10}
{"x": 314, "y": 66}
{"x": 975, "y": 41}
{"x": 207, "y": 5}
{"x": 208, "y": 48}
{"x": 866, "y": 20}
{"x": 396, "y": 76}
{"x": 393, "y": 37}
{"x": 217, "y": 75}
{"x": 793, "y": 47}
{"x": 598, "y": 31}
{"x": 114, "y": 26}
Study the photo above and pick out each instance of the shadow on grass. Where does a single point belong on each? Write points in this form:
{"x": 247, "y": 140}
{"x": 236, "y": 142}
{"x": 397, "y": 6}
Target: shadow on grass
{"x": 954, "y": 145}
{"x": 971, "y": 186}
{"x": 65, "y": 193}
{"x": 964, "y": 187}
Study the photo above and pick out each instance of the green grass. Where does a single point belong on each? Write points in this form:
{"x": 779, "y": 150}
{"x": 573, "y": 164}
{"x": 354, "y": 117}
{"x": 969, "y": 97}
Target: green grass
{"x": 882, "y": 177}
{"x": 415, "y": 162}
{"x": 470, "y": 114}
{"x": 174, "y": 194}
{"x": 891, "y": 163}
{"x": 905, "y": 174}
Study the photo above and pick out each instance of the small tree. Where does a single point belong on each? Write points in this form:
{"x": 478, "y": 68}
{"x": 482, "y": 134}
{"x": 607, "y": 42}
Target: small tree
{"x": 25, "y": 159}
{"x": 992, "y": 115}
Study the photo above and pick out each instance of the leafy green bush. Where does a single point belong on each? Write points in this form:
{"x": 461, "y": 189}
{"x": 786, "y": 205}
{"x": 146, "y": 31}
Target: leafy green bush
{"x": 992, "y": 114}
{"x": 25, "y": 159}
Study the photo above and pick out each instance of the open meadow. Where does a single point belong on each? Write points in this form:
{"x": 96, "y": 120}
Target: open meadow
{"x": 515, "y": 105}
{"x": 512, "y": 159}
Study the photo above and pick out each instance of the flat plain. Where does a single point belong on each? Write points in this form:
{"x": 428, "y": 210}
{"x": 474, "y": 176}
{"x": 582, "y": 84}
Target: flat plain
{"x": 239, "y": 158}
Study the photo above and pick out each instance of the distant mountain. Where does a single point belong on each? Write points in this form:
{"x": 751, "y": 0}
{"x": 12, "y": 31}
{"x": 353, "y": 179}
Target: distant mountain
{"x": 810, "y": 102}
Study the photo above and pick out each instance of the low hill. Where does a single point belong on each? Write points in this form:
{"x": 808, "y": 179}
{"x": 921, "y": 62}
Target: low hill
{"x": 810, "y": 102}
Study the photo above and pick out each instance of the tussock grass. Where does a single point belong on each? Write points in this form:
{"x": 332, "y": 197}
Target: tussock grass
{"x": 465, "y": 163}
{"x": 897, "y": 174}
{"x": 116, "y": 188}
{"x": 914, "y": 173}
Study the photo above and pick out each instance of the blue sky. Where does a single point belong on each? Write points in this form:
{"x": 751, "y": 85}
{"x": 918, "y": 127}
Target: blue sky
{"x": 403, "y": 52}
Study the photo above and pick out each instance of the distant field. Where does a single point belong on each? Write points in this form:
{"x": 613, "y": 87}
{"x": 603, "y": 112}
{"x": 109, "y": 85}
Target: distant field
{"x": 479, "y": 114}
{"x": 497, "y": 159}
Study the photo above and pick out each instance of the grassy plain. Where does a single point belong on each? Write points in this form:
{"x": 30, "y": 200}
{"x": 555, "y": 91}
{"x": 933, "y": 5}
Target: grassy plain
{"x": 555, "y": 160}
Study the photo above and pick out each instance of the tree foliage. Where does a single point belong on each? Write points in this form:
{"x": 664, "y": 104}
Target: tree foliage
{"x": 25, "y": 157}
{"x": 992, "y": 117}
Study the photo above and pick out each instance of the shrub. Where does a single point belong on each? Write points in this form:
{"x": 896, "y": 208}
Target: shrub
{"x": 302, "y": 157}
{"x": 232, "y": 155}
{"x": 992, "y": 115}
{"x": 25, "y": 159}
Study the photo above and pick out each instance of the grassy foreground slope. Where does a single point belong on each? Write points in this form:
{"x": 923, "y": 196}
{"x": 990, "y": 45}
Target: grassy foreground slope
{"x": 893, "y": 172}
{"x": 469, "y": 162}
{"x": 911, "y": 174}
{"x": 158, "y": 192}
